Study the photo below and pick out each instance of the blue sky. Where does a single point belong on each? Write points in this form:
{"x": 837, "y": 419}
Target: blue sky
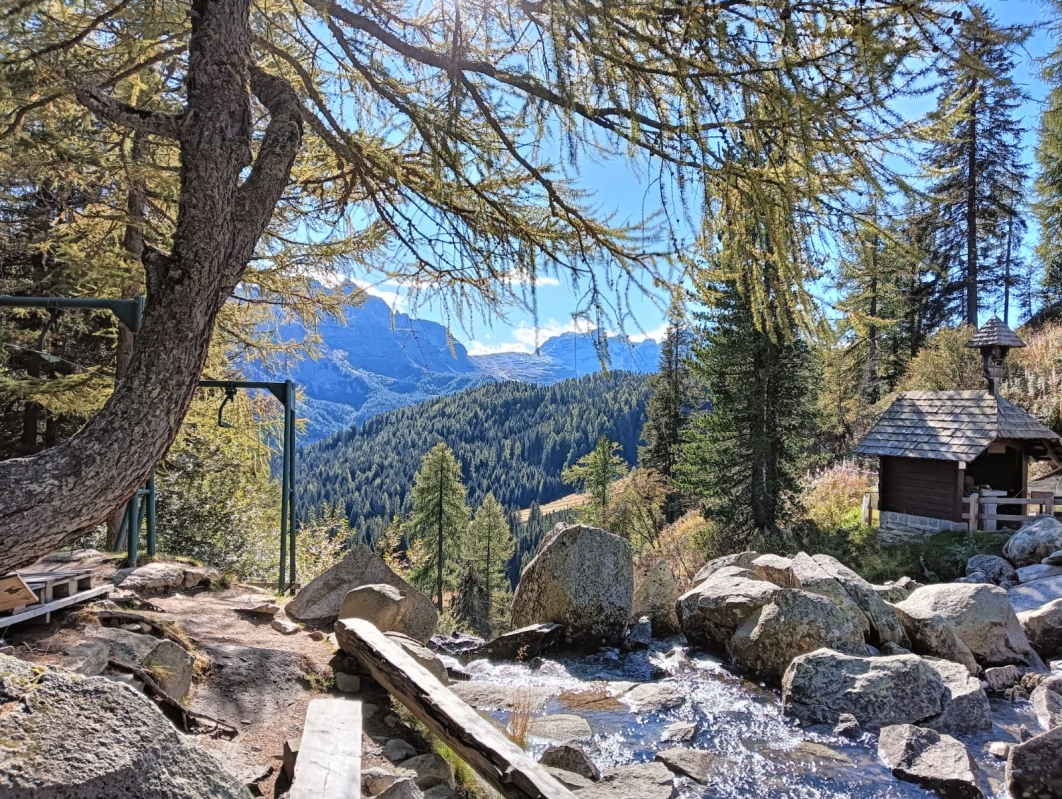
{"x": 617, "y": 189}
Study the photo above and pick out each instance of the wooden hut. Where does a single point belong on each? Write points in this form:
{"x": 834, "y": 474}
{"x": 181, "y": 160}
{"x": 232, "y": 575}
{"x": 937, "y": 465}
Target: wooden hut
{"x": 936, "y": 448}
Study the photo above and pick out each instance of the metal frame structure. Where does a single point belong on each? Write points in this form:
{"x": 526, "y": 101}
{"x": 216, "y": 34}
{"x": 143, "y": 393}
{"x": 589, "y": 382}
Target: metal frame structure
{"x": 285, "y": 392}
{"x": 141, "y": 507}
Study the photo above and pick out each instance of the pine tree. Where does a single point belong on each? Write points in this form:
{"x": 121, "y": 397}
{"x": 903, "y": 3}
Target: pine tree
{"x": 439, "y": 519}
{"x": 674, "y": 395}
{"x": 490, "y": 549}
{"x": 1048, "y": 206}
{"x": 470, "y": 606}
{"x": 974, "y": 226}
{"x": 742, "y": 458}
{"x": 595, "y": 473}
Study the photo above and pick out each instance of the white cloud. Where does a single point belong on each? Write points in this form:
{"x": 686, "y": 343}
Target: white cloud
{"x": 529, "y": 336}
{"x": 396, "y": 301}
{"x": 656, "y": 334}
{"x": 483, "y": 348}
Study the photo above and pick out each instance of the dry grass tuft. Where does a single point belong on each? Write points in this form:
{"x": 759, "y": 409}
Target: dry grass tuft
{"x": 520, "y": 716}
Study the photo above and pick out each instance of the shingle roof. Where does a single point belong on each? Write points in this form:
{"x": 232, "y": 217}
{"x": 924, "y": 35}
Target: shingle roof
{"x": 949, "y": 426}
{"x": 995, "y": 333}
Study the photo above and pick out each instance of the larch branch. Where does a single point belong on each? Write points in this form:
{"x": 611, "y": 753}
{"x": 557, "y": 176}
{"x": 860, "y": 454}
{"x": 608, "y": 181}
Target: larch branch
{"x": 127, "y": 116}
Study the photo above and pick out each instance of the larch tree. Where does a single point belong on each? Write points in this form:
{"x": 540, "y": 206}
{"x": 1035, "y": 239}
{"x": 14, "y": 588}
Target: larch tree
{"x": 1048, "y": 205}
{"x": 490, "y": 548}
{"x": 974, "y": 224}
{"x": 595, "y": 473}
{"x": 442, "y": 142}
{"x": 439, "y": 519}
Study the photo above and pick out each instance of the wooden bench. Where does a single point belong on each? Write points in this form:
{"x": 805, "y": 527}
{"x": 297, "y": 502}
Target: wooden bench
{"x": 328, "y": 765}
{"x": 51, "y": 591}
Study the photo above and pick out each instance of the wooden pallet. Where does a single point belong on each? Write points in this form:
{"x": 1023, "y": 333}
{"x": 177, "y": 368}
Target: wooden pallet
{"x": 53, "y": 590}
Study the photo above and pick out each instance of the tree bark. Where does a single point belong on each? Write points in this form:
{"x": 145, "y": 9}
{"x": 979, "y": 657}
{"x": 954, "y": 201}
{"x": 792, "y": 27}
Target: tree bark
{"x": 49, "y": 499}
{"x": 971, "y": 220}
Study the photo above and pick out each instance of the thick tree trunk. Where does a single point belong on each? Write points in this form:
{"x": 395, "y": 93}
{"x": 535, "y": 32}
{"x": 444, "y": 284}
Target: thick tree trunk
{"x": 49, "y": 499}
{"x": 971, "y": 221}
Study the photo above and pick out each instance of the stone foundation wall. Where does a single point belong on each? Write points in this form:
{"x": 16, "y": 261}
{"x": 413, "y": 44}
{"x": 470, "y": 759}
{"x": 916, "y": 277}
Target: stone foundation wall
{"x": 905, "y": 527}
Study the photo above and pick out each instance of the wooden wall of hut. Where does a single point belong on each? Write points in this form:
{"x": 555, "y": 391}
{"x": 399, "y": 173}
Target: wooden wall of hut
{"x": 921, "y": 487}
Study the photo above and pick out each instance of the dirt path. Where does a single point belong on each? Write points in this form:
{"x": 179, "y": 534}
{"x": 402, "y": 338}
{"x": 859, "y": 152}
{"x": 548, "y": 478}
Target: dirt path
{"x": 258, "y": 679}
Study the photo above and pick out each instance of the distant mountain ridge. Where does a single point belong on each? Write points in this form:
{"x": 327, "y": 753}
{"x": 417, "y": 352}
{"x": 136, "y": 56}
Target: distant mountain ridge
{"x": 376, "y": 361}
{"x": 513, "y": 439}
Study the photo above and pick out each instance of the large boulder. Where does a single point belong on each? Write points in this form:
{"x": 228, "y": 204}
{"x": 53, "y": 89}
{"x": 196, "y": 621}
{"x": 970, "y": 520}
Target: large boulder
{"x": 777, "y": 570}
{"x": 792, "y": 624}
{"x": 884, "y": 625}
{"x": 903, "y": 689}
{"x": 1029, "y": 596}
{"x": 816, "y": 580}
{"x": 1034, "y": 541}
{"x": 582, "y": 578}
{"x": 981, "y": 616}
{"x": 318, "y": 603}
{"x": 655, "y": 596}
{"x": 154, "y": 577}
{"x": 995, "y": 568}
{"x": 1046, "y": 700}
{"x": 379, "y": 603}
{"x": 936, "y": 762}
{"x": 966, "y": 708}
{"x": 1043, "y": 628}
{"x": 571, "y": 757}
{"x": 931, "y": 635}
{"x": 1034, "y": 767}
{"x": 69, "y": 737}
{"x": 636, "y": 781}
{"x": 522, "y": 644}
{"x": 167, "y": 662}
{"x": 711, "y": 611}
{"x": 1038, "y": 571}
{"x": 742, "y": 560}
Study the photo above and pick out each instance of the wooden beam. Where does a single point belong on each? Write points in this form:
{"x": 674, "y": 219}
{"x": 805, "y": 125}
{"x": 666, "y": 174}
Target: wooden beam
{"x": 14, "y": 592}
{"x": 328, "y": 765}
{"x": 503, "y": 764}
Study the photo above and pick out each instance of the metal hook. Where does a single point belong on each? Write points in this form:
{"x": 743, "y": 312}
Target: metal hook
{"x": 230, "y": 394}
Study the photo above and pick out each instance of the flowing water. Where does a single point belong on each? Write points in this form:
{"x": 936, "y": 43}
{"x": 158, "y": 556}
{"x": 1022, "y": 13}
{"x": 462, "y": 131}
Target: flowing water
{"x": 760, "y": 752}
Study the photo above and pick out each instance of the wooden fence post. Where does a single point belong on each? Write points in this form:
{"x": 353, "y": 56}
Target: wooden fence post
{"x": 975, "y": 502}
{"x": 865, "y": 515}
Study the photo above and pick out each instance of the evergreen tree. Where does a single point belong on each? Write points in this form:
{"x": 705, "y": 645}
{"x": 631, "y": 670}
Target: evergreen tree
{"x": 595, "y": 473}
{"x": 470, "y": 606}
{"x": 973, "y": 227}
{"x": 491, "y": 547}
{"x": 674, "y": 395}
{"x": 439, "y": 519}
{"x": 742, "y": 458}
{"x": 1048, "y": 206}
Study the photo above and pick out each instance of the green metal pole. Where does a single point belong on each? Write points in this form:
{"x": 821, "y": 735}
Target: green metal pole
{"x": 151, "y": 516}
{"x": 289, "y": 441}
{"x": 134, "y": 529}
{"x": 284, "y": 504}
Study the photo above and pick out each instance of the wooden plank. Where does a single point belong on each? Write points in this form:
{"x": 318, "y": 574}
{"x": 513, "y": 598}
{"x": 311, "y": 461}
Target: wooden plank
{"x": 41, "y": 610}
{"x": 328, "y": 765}
{"x": 14, "y": 592}
{"x": 503, "y": 764}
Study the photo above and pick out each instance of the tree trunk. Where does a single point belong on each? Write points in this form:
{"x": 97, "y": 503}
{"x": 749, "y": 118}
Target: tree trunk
{"x": 49, "y": 499}
{"x": 971, "y": 219}
{"x": 132, "y": 243}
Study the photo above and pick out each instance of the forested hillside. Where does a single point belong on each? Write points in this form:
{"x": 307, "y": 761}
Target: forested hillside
{"x": 510, "y": 438}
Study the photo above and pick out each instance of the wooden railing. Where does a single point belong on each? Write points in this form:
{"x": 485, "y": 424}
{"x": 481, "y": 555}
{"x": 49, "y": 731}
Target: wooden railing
{"x": 975, "y": 515}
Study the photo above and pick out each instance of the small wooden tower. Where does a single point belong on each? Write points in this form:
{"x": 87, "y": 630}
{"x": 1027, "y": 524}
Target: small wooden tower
{"x": 938, "y": 447}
